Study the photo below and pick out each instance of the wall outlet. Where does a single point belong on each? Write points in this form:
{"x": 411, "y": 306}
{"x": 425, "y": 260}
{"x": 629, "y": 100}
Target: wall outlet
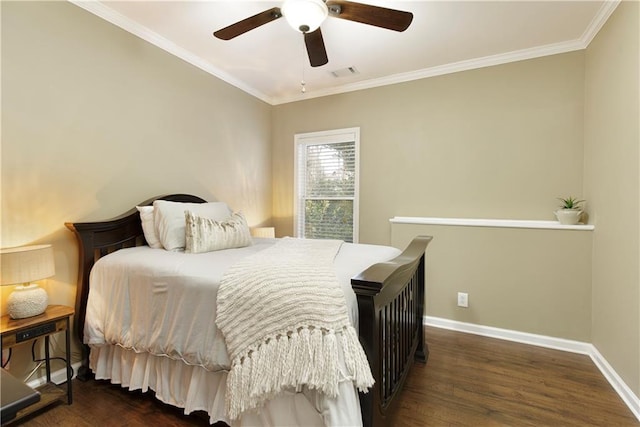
{"x": 463, "y": 299}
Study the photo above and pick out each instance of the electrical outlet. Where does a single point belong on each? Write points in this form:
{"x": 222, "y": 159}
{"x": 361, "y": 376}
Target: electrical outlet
{"x": 463, "y": 299}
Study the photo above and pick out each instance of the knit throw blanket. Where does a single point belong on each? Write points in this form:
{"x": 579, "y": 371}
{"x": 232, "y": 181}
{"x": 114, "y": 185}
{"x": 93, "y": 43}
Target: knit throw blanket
{"x": 283, "y": 315}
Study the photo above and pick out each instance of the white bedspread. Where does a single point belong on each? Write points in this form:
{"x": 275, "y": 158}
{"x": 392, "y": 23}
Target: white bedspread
{"x": 173, "y": 295}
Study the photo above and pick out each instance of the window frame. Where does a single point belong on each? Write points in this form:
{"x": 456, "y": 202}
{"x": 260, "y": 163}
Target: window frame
{"x": 335, "y": 136}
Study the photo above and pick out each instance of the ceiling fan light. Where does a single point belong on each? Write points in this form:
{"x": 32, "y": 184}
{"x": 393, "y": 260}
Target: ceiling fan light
{"x": 304, "y": 16}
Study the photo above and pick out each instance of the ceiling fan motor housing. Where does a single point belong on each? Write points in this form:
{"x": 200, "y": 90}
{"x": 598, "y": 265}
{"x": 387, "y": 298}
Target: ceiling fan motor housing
{"x": 304, "y": 15}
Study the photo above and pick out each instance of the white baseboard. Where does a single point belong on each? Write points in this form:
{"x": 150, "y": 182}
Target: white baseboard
{"x": 57, "y": 377}
{"x": 627, "y": 395}
{"x": 618, "y": 384}
{"x": 510, "y": 335}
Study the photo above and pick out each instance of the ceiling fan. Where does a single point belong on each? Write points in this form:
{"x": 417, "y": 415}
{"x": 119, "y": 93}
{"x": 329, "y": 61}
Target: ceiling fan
{"x": 306, "y": 16}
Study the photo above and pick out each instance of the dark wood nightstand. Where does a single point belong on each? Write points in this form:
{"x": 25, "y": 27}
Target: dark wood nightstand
{"x": 56, "y": 318}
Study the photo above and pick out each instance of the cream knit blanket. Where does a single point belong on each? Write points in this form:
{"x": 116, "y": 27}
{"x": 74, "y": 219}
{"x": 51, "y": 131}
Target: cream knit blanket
{"x": 283, "y": 315}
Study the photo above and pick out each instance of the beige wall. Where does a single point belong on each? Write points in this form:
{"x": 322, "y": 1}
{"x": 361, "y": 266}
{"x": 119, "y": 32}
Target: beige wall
{"x": 501, "y": 142}
{"x": 95, "y": 120}
{"x": 528, "y": 280}
{"x": 612, "y": 185}
{"x": 498, "y": 142}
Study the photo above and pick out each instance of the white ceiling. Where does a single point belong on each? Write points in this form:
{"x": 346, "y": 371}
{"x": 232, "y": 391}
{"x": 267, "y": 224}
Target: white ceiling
{"x": 445, "y": 36}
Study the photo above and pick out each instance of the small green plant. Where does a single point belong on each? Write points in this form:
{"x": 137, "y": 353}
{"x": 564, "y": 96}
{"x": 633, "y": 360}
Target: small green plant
{"x": 570, "y": 203}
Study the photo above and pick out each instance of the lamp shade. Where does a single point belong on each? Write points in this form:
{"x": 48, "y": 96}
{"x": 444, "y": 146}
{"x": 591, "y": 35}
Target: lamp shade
{"x": 304, "y": 15}
{"x": 26, "y": 263}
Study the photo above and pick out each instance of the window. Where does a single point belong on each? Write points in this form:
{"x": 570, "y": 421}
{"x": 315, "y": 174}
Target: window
{"x": 326, "y": 184}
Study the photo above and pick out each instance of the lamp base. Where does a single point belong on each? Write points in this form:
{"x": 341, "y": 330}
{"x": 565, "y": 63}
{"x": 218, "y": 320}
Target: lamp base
{"x": 27, "y": 301}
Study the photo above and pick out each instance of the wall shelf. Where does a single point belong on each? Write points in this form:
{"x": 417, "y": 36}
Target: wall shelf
{"x": 499, "y": 223}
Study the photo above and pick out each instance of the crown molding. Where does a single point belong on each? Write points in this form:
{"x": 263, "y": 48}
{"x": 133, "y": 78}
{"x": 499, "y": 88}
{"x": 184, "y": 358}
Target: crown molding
{"x": 583, "y": 42}
{"x": 440, "y": 70}
{"x": 119, "y": 20}
{"x": 598, "y": 21}
{"x": 108, "y": 14}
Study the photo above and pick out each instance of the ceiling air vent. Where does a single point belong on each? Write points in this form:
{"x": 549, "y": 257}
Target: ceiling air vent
{"x": 345, "y": 72}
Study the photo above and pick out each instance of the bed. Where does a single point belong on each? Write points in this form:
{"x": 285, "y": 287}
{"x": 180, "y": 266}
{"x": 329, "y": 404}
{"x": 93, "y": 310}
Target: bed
{"x": 384, "y": 302}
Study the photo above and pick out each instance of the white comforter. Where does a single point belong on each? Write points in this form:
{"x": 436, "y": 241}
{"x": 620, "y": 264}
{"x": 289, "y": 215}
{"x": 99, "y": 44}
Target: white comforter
{"x": 164, "y": 303}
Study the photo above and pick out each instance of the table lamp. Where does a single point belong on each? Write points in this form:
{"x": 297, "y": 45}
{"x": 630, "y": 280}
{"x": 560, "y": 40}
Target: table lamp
{"x": 22, "y": 265}
{"x": 268, "y": 232}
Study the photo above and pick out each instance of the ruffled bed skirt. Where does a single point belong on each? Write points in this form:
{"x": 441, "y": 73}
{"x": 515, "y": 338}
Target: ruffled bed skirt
{"x": 193, "y": 388}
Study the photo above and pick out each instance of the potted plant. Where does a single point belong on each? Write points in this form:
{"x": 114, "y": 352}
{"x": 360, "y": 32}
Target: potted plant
{"x": 570, "y": 210}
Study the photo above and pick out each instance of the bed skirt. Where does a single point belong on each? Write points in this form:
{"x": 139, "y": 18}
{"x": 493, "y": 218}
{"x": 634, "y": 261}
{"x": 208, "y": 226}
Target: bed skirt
{"x": 193, "y": 388}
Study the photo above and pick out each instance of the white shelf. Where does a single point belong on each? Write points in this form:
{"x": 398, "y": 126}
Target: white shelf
{"x": 500, "y": 223}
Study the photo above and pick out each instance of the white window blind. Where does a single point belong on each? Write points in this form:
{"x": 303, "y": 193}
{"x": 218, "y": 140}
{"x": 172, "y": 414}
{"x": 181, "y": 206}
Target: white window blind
{"x": 327, "y": 185}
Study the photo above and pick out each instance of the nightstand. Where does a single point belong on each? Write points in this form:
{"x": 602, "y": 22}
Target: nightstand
{"x": 56, "y": 318}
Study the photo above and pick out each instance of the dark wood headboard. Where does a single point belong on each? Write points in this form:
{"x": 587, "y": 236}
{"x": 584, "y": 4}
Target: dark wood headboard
{"x": 100, "y": 238}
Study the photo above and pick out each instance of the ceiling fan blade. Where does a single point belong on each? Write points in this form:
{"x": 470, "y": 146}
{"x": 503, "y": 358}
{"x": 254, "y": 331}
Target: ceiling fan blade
{"x": 377, "y": 16}
{"x": 315, "y": 48}
{"x": 248, "y": 24}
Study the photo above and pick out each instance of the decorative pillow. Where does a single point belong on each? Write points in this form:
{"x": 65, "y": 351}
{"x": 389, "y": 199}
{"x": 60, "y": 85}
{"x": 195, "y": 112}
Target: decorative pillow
{"x": 206, "y": 235}
{"x": 148, "y": 226}
{"x": 170, "y": 220}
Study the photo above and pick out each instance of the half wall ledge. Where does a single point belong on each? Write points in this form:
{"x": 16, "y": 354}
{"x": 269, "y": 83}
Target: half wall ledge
{"x": 499, "y": 223}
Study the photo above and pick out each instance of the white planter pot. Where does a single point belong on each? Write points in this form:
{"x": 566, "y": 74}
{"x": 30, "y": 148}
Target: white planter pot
{"x": 568, "y": 216}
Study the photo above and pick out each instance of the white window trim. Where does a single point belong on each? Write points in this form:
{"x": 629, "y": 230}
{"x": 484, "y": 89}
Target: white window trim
{"x": 330, "y": 136}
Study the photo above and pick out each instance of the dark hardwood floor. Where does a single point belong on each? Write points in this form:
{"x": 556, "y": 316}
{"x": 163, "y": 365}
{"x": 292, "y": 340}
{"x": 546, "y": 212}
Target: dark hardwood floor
{"x": 471, "y": 380}
{"x": 468, "y": 381}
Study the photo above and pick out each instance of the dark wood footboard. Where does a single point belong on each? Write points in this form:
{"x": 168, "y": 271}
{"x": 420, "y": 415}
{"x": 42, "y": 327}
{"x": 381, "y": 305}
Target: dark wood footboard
{"x": 391, "y": 308}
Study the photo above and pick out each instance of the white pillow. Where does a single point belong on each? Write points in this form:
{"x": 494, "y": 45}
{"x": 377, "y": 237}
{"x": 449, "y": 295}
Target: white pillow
{"x": 170, "y": 221}
{"x": 206, "y": 235}
{"x": 148, "y": 226}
